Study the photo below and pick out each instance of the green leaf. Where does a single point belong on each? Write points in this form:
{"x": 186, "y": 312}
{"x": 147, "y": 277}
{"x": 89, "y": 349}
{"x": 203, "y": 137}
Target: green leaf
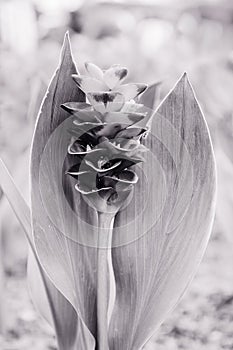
{"x": 16, "y": 200}
{"x": 60, "y": 217}
{"x": 63, "y": 318}
{"x": 49, "y": 301}
{"x": 158, "y": 248}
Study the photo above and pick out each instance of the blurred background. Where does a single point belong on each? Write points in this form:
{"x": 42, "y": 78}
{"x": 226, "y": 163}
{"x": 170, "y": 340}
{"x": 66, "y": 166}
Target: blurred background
{"x": 157, "y": 40}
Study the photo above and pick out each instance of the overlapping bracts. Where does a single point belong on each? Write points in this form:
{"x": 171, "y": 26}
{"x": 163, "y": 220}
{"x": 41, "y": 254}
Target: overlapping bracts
{"x": 107, "y": 132}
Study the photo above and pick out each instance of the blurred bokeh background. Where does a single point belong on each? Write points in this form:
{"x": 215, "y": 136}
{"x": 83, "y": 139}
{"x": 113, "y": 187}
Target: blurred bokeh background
{"x": 158, "y": 40}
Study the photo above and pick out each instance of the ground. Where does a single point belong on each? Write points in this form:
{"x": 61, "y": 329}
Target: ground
{"x": 203, "y": 320}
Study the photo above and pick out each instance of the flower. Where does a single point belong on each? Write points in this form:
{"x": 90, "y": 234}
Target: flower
{"x": 106, "y": 135}
{"x": 99, "y": 81}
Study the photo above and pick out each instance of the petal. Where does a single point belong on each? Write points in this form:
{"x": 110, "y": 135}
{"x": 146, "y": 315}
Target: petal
{"x": 72, "y": 107}
{"x": 126, "y": 176}
{"x": 94, "y": 71}
{"x": 104, "y": 196}
{"x": 132, "y": 154}
{"x": 88, "y": 84}
{"x": 123, "y": 146}
{"x": 106, "y": 101}
{"x": 83, "y": 115}
{"x": 110, "y": 130}
{"x": 75, "y": 170}
{"x": 89, "y": 125}
{"x": 89, "y": 138}
{"x": 130, "y": 132}
{"x": 128, "y": 145}
{"x": 86, "y": 190}
{"x": 99, "y": 169}
{"x": 87, "y": 181}
{"x": 114, "y": 75}
{"x": 78, "y": 148}
{"x": 132, "y": 107}
{"x": 75, "y": 173}
{"x": 115, "y": 184}
{"x": 127, "y": 163}
{"x": 130, "y": 91}
{"x": 101, "y": 162}
{"x": 124, "y": 118}
{"x": 86, "y": 133}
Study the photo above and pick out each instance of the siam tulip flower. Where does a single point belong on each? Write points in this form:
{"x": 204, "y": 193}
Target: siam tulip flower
{"x": 110, "y": 142}
{"x": 122, "y": 205}
{"x": 108, "y": 83}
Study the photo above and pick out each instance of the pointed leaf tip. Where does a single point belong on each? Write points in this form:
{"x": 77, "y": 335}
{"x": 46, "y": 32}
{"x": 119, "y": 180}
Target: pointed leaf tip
{"x": 66, "y": 46}
{"x": 183, "y": 79}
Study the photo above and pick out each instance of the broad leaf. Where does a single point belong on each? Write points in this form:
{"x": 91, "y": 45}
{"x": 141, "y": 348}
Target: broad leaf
{"x": 53, "y": 306}
{"x": 16, "y": 200}
{"x": 157, "y": 248}
{"x": 56, "y": 205}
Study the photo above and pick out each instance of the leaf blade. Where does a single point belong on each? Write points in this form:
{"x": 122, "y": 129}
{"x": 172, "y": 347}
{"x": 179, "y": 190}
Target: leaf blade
{"x": 50, "y": 302}
{"x": 53, "y": 218}
{"x": 153, "y": 271}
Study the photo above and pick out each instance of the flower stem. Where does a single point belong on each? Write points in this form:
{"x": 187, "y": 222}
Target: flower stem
{"x": 103, "y": 279}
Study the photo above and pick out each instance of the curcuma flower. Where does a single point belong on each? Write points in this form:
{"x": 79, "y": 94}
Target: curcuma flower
{"x": 112, "y": 126}
{"x": 122, "y": 205}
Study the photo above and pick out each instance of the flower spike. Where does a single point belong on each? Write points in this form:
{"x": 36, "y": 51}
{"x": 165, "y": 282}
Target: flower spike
{"x": 107, "y": 147}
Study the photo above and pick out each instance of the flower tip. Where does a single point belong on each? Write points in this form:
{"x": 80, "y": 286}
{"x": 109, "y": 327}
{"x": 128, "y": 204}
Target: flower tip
{"x": 63, "y": 106}
{"x": 124, "y": 72}
{"x": 142, "y": 88}
{"x": 76, "y": 78}
{"x": 66, "y": 107}
{"x": 93, "y": 70}
{"x": 120, "y": 72}
{"x": 67, "y": 35}
{"x": 86, "y": 64}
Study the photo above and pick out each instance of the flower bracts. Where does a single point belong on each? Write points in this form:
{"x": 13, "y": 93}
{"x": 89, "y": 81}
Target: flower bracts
{"x": 106, "y": 135}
